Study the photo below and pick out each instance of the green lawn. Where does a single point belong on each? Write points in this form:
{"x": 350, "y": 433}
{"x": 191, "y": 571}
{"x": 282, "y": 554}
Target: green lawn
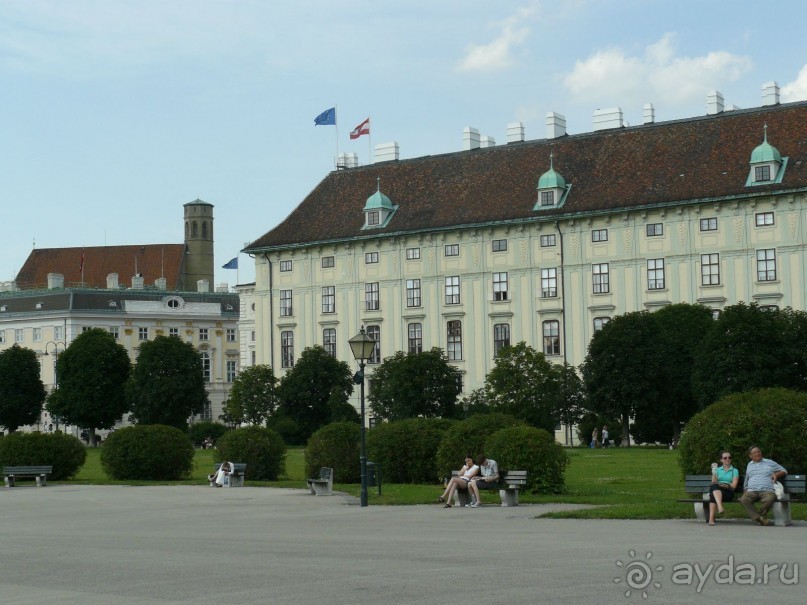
{"x": 624, "y": 483}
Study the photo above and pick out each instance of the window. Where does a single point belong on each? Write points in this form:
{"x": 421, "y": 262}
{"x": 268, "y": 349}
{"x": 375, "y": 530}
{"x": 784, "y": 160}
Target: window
{"x": 549, "y": 283}
{"x": 371, "y": 302}
{"x": 710, "y": 269}
{"x": 764, "y": 219}
{"x": 548, "y": 241}
{"x": 173, "y": 303}
{"x": 769, "y": 308}
{"x": 18, "y": 335}
{"x": 599, "y": 323}
{"x": 599, "y": 235}
{"x": 708, "y": 224}
{"x": 551, "y": 337}
{"x": 232, "y": 370}
{"x": 113, "y": 330}
{"x": 412, "y": 253}
{"x": 173, "y": 332}
{"x": 655, "y": 229}
{"x": 600, "y": 278}
{"x": 415, "y": 338}
{"x": 203, "y": 334}
{"x": 329, "y": 299}
{"x": 37, "y": 334}
{"x": 374, "y": 332}
{"x": 501, "y": 337}
{"x": 413, "y": 293}
{"x": 370, "y": 258}
{"x": 372, "y": 217}
{"x": 715, "y": 314}
{"x": 143, "y": 333}
{"x": 499, "y": 245}
{"x": 547, "y": 198}
{"x": 453, "y": 250}
{"x": 253, "y": 356}
{"x": 58, "y": 333}
{"x": 500, "y": 286}
{"x": 285, "y": 303}
{"x": 762, "y": 173}
{"x": 454, "y": 329}
{"x": 287, "y": 349}
{"x": 207, "y": 411}
{"x": 453, "y": 290}
{"x": 2, "y": 336}
{"x": 252, "y": 336}
{"x": 766, "y": 265}
{"x": 327, "y": 262}
{"x": 88, "y": 328}
{"x": 655, "y": 274}
{"x": 329, "y": 341}
{"x": 205, "y": 357}
{"x": 230, "y": 334}
{"x": 285, "y": 265}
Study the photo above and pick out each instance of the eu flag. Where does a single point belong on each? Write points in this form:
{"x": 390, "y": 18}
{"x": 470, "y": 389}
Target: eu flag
{"x": 326, "y": 118}
{"x": 233, "y": 264}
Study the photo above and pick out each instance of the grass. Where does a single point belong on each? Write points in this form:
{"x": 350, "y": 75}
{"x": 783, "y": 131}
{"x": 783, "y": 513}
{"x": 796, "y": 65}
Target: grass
{"x": 623, "y": 483}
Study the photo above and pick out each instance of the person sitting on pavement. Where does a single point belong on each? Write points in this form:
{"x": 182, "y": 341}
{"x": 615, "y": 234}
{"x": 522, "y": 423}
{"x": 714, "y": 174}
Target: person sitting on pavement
{"x": 758, "y": 485}
{"x": 461, "y": 481}
{"x": 724, "y": 481}
{"x": 222, "y": 476}
{"x": 489, "y": 479}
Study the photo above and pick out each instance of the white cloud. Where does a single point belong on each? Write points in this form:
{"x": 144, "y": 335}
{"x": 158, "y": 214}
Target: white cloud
{"x": 496, "y": 55}
{"x": 611, "y": 76}
{"x": 797, "y": 89}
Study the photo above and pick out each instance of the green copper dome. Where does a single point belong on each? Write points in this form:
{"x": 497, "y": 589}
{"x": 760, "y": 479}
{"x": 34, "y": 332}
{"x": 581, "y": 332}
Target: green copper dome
{"x": 765, "y": 152}
{"x": 379, "y": 201}
{"x": 551, "y": 180}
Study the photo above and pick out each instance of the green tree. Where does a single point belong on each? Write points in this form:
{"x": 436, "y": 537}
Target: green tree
{"x": 167, "y": 384}
{"x": 315, "y": 390}
{"x": 21, "y": 390}
{"x": 570, "y": 404}
{"x": 524, "y": 385}
{"x": 252, "y": 397}
{"x": 93, "y": 372}
{"x": 411, "y": 385}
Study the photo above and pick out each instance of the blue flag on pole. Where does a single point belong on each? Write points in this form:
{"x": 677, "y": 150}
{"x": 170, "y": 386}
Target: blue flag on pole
{"x": 326, "y": 118}
{"x": 233, "y": 264}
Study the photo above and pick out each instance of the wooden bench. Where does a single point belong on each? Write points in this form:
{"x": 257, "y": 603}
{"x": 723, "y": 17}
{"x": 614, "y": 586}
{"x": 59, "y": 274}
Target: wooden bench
{"x": 699, "y": 484}
{"x": 322, "y": 485}
{"x": 508, "y": 485}
{"x": 236, "y": 476}
{"x": 40, "y": 473}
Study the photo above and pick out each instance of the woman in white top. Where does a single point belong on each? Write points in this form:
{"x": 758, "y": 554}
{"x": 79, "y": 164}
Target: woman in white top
{"x": 466, "y": 473}
{"x": 221, "y": 476}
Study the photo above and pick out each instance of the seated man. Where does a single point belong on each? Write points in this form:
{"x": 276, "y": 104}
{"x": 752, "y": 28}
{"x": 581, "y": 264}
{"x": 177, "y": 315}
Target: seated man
{"x": 488, "y": 480}
{"x": 758, "y": 486}
{"x": 222, "y": 476}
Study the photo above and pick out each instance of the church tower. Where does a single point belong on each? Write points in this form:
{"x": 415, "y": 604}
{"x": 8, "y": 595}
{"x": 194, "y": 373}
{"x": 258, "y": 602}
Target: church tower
{"x": 198, "y": 245}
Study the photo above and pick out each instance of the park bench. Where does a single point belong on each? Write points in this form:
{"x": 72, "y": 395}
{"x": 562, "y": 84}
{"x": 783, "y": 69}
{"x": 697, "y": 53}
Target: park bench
{"x": 699, "y": 484}
{"x": 236, "y": 476}
{"x": 322, "y": 485}
{"x": 40, "y": 473}
{"x": 508, "y": 485}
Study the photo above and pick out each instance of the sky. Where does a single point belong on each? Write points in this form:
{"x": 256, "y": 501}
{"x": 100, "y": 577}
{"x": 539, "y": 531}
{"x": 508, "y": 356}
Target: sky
{"x": 115, "y": 113}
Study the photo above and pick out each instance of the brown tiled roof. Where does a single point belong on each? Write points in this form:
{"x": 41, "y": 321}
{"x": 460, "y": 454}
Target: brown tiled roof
{"x": 668, "y": 162}
{"x": 152, "y": 261}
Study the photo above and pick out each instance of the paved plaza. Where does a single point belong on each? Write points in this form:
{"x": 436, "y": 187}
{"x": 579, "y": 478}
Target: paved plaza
{"x": 119, "y": 545}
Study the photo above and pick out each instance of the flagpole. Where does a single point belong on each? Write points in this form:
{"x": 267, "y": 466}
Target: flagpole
{"x": 336, "y": 126}
{"x": 370, "y": 143}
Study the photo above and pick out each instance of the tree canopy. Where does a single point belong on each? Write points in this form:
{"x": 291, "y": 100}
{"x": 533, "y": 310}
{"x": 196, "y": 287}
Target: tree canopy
{"x": 252, "y": 397}
{"x": 21, "y": 390}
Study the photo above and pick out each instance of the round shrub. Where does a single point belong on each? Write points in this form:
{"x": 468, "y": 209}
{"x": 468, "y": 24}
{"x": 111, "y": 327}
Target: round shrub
{"x": 63, "y": 452}
{"x": 467, "y": 438}
{"x": 200, "y": 431}
{"x": 773, "y": 419}
{"x": 149, "y": 452}
{"x": 527, "y": 448}
{"x": 262, "y": 449}
{"x": 406, "y": 449}
{"x": 336, "y": 446}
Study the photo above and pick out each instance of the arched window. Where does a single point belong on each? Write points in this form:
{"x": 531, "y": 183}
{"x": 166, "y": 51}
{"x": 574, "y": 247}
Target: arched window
{"x": 204, "y": 229}
{"x": 194, "y": 229}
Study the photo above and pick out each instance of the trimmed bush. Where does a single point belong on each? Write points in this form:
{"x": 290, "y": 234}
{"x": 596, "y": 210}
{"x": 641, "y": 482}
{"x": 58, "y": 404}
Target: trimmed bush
{"x": 336, "y": 446}
{"x": 147, "y": 452}
{"x": 773, "y": 419}
{"x": 200, "y": 431}
{"x": 262, "y": 449}
{"x": 527, "y": 448}
{"x": 63, "y": 452}
{"x": 285, "y": 426}
{"x": 406, "y": 450}
{"x": 467, "y": 438}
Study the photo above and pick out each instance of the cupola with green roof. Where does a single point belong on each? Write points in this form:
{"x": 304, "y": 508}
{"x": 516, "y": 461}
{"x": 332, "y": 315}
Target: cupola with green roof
{"x": 552, "y": 188}
{"x": 767, "y": 164}
{"x": 378, "y": 210}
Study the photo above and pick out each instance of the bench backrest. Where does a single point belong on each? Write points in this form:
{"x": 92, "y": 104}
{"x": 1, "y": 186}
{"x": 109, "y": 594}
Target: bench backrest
{"x": 513, "y": 478}
{"x": 325, "y": 473}
{"x": 699, "y": 484}
{"x": 27, "y": 470}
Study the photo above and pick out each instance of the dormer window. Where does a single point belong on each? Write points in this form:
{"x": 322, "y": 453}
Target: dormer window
{"x": 552, "y": 189}
{"x": 767, "y": 164}
{"x": 372, "y": 217}
{"x": 762, "y": 173}
{"x": 547, "y": 198}
{"x": 378, "y": 210}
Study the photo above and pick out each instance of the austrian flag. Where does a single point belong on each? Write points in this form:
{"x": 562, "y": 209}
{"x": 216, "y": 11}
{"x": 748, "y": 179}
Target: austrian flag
{"x": 363, "y": 128}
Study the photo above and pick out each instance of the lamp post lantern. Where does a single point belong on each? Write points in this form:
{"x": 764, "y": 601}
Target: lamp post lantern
{"x": 362, "y": 347}
{"x": 56, "y": 345}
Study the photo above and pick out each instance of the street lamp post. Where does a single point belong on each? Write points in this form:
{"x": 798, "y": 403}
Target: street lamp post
{"x": 362, "y": 347}
{"x": 56, "y": 345}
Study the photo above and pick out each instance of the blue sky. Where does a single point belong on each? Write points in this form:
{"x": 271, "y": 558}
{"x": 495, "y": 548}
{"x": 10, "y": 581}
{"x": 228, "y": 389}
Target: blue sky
{"x": 116, "y": 112}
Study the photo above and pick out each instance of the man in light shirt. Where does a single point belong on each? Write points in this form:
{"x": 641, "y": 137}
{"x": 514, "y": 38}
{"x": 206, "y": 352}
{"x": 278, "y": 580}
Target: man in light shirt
{"x": 489, "y": 479}
{"x": 758, "y": 485}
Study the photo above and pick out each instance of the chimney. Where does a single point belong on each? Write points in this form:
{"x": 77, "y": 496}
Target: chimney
{"x": 770, "y": 93}
{"x": 161, "y": 283}
{"x": 137, "y": 282}
{"x": 223, "y": 287}
{"x": 55, "y": 281}
{"x": 203, "y": 286}
{"x": 112, "y": 281}
{"x": 714, "y": 103}
{"x": 515, "y": 132}
{"x": 608, "y": 118}
{"x": 555, "y": 125}
{"x": 386, "y": 152}
{"x": 649, "y": 113}
{"x": 486, "y": 141}
{"x": 470, "y": 138}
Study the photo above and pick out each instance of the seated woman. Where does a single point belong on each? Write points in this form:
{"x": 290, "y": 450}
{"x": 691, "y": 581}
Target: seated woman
{"x": 460, "y": 482}
{"x": 222, "y": 476}
{"x": 724, "y": 482}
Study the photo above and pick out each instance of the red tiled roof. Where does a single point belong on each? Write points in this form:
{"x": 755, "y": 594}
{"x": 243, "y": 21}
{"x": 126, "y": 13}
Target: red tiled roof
{"x": 151, "y": 261}
{"x": 668, "y": 162}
